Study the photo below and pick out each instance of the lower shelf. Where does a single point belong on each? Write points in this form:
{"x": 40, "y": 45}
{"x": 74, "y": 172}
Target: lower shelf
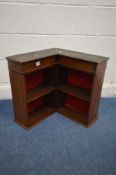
{"x": 39, "y": 115}
{"x": 76, "y": 116}
{"x": 72, "y": 114}
{"x": 36, "y": 117}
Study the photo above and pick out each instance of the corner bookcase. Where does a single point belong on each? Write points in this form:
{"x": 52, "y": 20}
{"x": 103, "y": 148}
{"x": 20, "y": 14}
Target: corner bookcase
{"x": 56, "y": 80}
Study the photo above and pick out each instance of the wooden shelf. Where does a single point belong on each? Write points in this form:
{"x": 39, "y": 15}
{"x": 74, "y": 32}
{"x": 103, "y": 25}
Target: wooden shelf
{"x": 38, "y": 92}
{"x": 40, "y": 114}
{"x": 76, "y": 116}
{"x": 77, "y": 92}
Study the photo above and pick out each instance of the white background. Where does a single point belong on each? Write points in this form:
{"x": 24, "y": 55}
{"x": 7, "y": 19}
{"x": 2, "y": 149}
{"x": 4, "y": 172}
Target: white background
{"x": 83, "y": 25}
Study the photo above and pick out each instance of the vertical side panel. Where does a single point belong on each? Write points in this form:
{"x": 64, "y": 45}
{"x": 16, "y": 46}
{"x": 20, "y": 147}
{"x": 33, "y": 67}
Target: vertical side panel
{"x": 19, "y": 96}
{"x": 96, "y": 91}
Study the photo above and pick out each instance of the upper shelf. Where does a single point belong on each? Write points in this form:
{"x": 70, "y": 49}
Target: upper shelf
{"x": 77, "y": 92}
{"x": 31, "y": 56}
{"x": 38, "y": 92}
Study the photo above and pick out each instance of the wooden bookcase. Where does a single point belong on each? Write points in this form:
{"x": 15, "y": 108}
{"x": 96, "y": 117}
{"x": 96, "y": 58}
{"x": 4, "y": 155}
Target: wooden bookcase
{"x": 56, "y": 80}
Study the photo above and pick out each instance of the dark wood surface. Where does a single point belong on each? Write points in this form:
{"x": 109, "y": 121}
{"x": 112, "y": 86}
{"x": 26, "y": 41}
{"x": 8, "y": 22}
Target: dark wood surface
{"x": 77, "y": 92}
{"x": 96, "y": 91}
{"x": 19, "y": 96}
{"x": 76, "y": 116}
{"x": 81, "y": 65}
{"x": 38, "y": 92}
{"x": 27, "y": 57}
{"x": 39, "y": 115}
{"x": 56, "y": 65}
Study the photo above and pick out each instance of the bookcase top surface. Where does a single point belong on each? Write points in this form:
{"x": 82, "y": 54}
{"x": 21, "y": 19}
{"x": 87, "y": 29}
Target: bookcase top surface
{"x": 31, "y": 56}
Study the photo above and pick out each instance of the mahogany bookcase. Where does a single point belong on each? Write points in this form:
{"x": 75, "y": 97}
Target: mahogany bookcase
{"x": 56, "y": 80}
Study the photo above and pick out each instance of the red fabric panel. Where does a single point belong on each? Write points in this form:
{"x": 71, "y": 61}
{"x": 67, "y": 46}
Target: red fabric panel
{"x": 33, "y": 80}
{"x": 78, "y": 104}
{"x": 35, "y": 104}
{"x": 80, "y": 79}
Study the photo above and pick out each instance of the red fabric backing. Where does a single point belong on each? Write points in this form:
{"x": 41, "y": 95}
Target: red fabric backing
{"x": 33, "y": 80}
{"x": 78, "y": 104}
{"x": 80, "y": 79}
{"x": 35, "y": 104}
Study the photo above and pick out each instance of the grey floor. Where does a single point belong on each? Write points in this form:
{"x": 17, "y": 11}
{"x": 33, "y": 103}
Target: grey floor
{"x": 59, "y": 146}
